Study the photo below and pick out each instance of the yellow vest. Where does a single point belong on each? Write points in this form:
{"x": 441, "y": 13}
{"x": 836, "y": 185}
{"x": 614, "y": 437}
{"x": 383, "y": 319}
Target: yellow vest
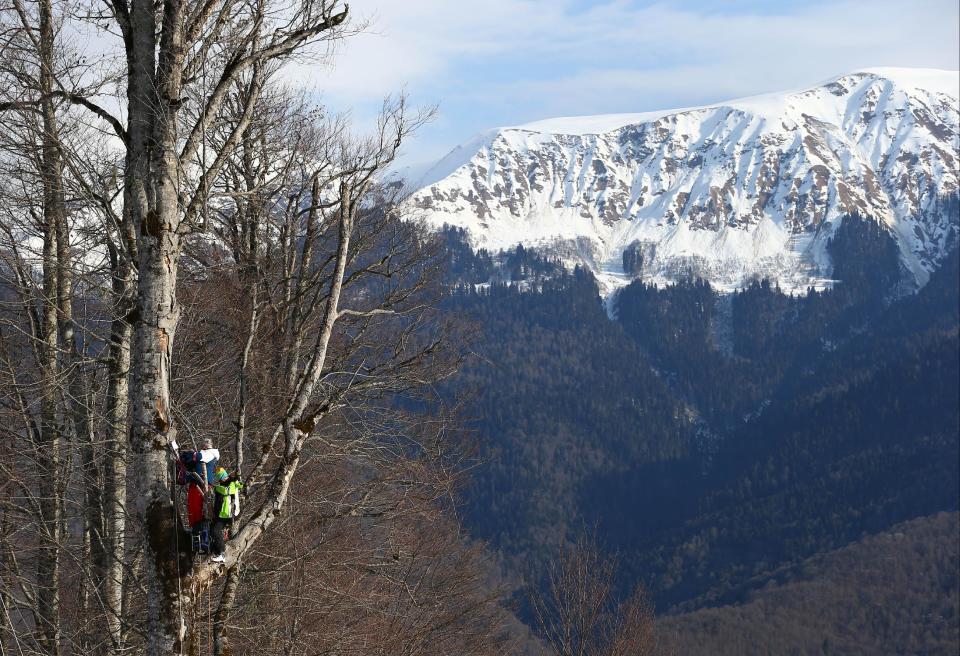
{"x": 230, "y": 499}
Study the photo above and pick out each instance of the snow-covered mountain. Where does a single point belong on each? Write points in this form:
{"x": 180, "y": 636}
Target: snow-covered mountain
{"x": 748, "y": 187}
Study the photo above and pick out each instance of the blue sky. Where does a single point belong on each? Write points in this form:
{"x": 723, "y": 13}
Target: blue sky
{"x": 506, "y": 62}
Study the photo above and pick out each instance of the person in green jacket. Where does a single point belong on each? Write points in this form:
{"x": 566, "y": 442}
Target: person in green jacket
{"x": 226, "y": 506}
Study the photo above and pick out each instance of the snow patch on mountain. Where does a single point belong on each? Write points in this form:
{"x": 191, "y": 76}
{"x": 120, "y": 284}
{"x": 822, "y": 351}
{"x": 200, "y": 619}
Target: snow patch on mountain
{"x": 749, "y": 187}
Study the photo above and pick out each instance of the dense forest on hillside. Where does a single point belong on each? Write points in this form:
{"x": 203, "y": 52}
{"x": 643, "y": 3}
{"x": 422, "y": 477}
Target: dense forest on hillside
{"x": 832, "y": 415}
{"x": 893, "y": 592}
{"x": 556, "y": 406}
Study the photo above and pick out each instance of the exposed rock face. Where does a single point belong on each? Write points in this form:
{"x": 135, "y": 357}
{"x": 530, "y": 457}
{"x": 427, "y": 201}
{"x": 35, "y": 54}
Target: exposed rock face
{"x": 744, "y": 188}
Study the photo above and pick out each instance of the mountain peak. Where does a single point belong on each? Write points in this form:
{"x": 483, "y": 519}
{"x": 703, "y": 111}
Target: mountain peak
{"x": 748, "y": 187}
{"x": 928, "y": 79}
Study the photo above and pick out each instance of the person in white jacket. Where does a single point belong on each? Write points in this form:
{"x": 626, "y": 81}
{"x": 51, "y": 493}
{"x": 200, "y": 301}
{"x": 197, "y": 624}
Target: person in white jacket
{"x": 209, "y": 457}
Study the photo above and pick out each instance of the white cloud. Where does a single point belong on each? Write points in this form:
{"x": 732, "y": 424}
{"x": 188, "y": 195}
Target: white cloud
{"x": 508, "y": 61}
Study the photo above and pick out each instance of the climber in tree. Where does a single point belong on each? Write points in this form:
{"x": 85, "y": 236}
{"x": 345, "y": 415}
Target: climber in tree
{"x": 226, "y": 507}
{"x": 207, "y": 460}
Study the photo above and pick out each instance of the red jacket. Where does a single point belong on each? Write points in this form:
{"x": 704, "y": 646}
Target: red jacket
{"x": 195, "y": 503}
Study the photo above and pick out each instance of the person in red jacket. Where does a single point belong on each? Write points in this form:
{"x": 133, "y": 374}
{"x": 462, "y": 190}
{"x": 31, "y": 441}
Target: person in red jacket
{"x": 196, "y": 510}
{"x": 195, "y": 503}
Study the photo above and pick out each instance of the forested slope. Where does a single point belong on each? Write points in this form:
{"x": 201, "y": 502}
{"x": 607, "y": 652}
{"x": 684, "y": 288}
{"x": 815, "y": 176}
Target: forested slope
{"x": 891, "y": 593}
{"x": 554, "y": 405}
{"x": 831, "y": 416}
{"x": 862, "y": 438}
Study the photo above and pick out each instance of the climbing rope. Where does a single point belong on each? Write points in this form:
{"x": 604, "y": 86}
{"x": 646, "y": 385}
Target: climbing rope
{"x": 209, "y": 623}
{"x": 176, "y": 556}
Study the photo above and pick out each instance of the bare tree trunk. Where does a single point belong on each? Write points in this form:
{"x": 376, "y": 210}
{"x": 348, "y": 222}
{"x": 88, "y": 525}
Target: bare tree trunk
{"x": 79, "y": 405}
{"x": 93, "y": 546}
{"x": 151, "y": 433}
{"x": 48, "y": 567}
{"x": 152, "y": 427}
{"x": 221, "y": 641}
{"x": 150, "y": 199}
{"x": 115, "y": 468}
{"x": 122, "y": 250}
{"x": 244, "y": 365}
{"x": 48, "y": 458}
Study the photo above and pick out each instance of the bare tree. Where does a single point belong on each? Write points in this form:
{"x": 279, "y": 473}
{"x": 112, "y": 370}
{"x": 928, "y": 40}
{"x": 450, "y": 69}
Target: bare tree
{"x": 59, "y": 224}
{"x": 295, "y": 253}
{"x": 39, "y": 266}
{"x": 168, "y": 179}
{"x": 170, "y": 50}
{"x": 578, "y": 610}
{"x": 226, "y": 261}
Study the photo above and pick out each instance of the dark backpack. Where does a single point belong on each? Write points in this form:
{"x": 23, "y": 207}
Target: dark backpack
{"x": 200, "y": 537}
{"x": 186, "y": 464}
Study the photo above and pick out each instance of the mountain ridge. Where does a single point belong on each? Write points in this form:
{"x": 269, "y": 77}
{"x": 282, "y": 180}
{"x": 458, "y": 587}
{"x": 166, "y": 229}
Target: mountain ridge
{"x": 747, "y": 188}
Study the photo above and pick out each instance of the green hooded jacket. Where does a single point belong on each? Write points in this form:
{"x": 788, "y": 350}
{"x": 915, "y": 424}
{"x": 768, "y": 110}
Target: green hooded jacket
{"x": 227, "y": 499}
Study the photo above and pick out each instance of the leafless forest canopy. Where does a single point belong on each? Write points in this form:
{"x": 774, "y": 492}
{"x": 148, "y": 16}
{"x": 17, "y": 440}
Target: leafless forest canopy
{"x": 193, "y": 249}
